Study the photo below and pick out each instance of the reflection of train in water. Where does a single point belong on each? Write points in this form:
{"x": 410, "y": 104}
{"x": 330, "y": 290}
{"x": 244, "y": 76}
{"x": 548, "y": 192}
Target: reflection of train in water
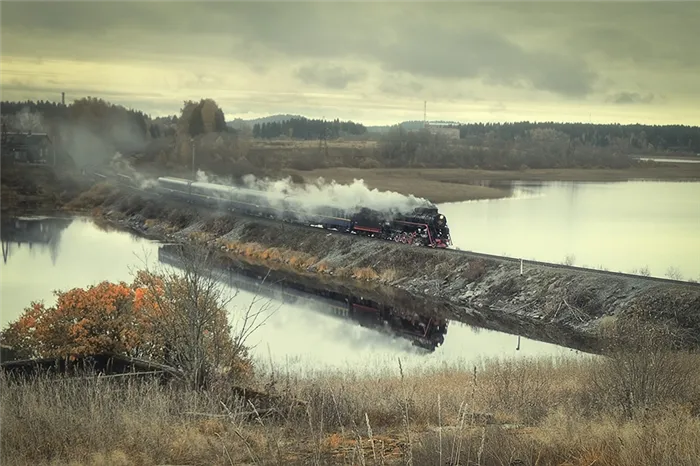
{"x": 422, "y": 331}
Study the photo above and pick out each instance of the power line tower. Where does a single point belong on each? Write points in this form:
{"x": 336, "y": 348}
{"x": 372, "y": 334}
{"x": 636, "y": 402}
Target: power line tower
{"x": 323, "y": 139}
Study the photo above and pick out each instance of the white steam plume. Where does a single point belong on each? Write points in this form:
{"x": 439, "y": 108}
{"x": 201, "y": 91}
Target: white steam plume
{"x": 351, "y": 196}
{"x": 124, "y": 167}
{"x": 311, "y": 196}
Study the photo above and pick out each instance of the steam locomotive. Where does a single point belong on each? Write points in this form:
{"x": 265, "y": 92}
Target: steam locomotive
{"x": 424, "y": 226}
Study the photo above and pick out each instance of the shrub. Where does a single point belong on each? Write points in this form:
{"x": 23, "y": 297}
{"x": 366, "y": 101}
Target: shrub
{"x": 642, "y": 369}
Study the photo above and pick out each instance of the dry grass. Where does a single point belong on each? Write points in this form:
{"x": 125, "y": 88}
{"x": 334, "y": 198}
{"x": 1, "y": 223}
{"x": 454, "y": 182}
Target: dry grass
{"x": 275, "y": 257}
{"x": 279, "y": 256}
{"x": 365, "y": 273}
{"x": 97, "y": 195}
{"x": 537, "y": 411}
{"x": 388, "y": 275}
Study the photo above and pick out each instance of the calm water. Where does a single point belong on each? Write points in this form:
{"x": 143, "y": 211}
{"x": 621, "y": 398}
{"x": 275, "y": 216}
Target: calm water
{"x": 617, "y": 226}
{"x": 67, "y": 253}
{"x": 669, "y": 160}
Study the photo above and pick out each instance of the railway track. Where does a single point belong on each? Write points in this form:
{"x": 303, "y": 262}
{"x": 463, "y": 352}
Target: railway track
{"x": 473, "y": 254}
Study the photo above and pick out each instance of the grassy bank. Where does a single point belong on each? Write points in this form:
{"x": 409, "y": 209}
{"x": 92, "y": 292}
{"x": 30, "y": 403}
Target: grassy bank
{"x": 515, "y": 412}
{"x": 458, "y": 184}
{"x": 38, "y": 187}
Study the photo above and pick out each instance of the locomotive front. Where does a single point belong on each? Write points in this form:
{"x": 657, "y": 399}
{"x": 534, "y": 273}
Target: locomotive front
{"x": 442, "y": 231}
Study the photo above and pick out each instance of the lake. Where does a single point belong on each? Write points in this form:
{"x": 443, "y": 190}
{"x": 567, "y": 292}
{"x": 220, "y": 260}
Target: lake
{"x": 42, "y": 255}
{"x": 623, "y": 226}
{"x": 617, "y": 226}
{"x": 668, "y": 160}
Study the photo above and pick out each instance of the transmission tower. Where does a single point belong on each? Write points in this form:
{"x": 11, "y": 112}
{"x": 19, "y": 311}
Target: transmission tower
{"x": 323, "y": 140}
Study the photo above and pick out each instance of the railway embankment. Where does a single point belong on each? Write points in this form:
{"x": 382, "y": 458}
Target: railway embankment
{"x": 562, "y": 305}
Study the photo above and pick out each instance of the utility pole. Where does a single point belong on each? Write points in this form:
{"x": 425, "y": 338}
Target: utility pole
{"x": 194, "y": 173}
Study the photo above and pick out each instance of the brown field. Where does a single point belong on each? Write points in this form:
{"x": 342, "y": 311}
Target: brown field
{"x": 563, "y": 411}
{"x": 458, "y": 184}
{"x": 311, "y": 144}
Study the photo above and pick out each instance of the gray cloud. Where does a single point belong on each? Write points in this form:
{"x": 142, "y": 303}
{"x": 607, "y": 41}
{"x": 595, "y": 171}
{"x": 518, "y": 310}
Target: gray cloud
{"x": 578, "y": 51}
{"x": 627, "y": 98}
{"x": 478, "y": 53}
{"x": 613, "y": 43}
{"x": 394, "y": 85}
{"x": 412, "y": 38}
{"x": 330, "y": 76}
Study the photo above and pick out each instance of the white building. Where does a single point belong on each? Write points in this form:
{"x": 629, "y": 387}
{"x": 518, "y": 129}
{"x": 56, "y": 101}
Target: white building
{"x": 448, "y": 133}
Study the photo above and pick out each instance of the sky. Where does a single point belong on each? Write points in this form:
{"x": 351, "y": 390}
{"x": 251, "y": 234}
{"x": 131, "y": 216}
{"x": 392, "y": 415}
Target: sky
{"x": 373, "y": 62}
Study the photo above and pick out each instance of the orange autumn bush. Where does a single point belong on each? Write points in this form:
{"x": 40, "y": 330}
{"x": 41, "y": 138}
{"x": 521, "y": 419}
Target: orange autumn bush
{"x": 151, "y": 318}
{"x": 97, "y": 319}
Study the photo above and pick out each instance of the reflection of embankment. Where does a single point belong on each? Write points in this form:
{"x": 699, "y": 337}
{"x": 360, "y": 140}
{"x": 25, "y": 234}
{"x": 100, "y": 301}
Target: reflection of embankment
{"x": 427, "y": 332}
{"x": 44, "y": 232}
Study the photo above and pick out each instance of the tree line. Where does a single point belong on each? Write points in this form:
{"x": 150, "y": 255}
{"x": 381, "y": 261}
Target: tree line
{"x": 304, "y": 128}
{"x": 91, "y": 110}
{"x": 539, "y": 148}
{"x": 642, "y": 137}
{"x": 96, "y": 129}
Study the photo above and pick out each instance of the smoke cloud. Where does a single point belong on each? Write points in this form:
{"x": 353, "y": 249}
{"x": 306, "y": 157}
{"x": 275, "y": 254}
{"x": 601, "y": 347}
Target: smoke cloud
{"x": 86, "y": 143}
{"x": 351, "y": 196}
{"x": 26, "y": 120}
{"x": 84, "y": 147}
{"x": 123, "y": 166}
{"x": 310, "y": 197}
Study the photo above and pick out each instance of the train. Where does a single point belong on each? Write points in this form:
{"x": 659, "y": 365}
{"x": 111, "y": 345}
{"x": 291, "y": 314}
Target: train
{"x": 423, "y": 226}
{"x": 424, "y": 331}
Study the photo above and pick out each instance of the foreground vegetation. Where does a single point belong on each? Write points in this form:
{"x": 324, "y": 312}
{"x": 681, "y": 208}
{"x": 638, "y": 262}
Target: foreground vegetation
{"x": 637, "y": 406}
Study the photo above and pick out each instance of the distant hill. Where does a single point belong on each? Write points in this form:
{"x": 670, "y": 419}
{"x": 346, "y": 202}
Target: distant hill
{"x": 238, "y": 123}
{"x": 412, "y": 125}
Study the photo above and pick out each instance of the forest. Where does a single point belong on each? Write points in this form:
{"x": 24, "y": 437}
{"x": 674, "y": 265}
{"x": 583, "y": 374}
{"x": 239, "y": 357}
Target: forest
{"x": 91, "y": 130}
{"x": 670, "y": 137}
{"x": 304, "y": 128}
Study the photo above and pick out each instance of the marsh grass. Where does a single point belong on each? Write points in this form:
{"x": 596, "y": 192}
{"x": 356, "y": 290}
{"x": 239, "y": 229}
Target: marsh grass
{"x": 495, "y": 412}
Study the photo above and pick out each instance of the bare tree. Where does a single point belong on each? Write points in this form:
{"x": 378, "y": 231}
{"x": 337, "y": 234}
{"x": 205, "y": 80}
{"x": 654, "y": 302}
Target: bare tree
{"x": 674, "y": 273}
{"x": 570, "y": 259}
{"x": 644, "y": 365}
{"x": 191, "y": 318}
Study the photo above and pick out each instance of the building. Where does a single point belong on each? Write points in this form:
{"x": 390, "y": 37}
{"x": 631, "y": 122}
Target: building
{"x": 27, "y": 147}
{"x": 443, "y": 131}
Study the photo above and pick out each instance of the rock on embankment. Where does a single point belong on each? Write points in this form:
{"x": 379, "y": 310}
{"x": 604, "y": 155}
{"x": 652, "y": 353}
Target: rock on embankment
{"x": 471, "y": 288}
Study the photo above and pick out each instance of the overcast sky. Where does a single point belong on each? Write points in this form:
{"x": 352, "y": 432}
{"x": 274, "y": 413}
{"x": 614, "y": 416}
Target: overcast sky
{"x": 371, "y": 62}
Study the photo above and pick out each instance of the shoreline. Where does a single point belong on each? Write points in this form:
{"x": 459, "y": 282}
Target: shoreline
{"x": 442, "y": 185}
{"x": 547, "y": 303}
